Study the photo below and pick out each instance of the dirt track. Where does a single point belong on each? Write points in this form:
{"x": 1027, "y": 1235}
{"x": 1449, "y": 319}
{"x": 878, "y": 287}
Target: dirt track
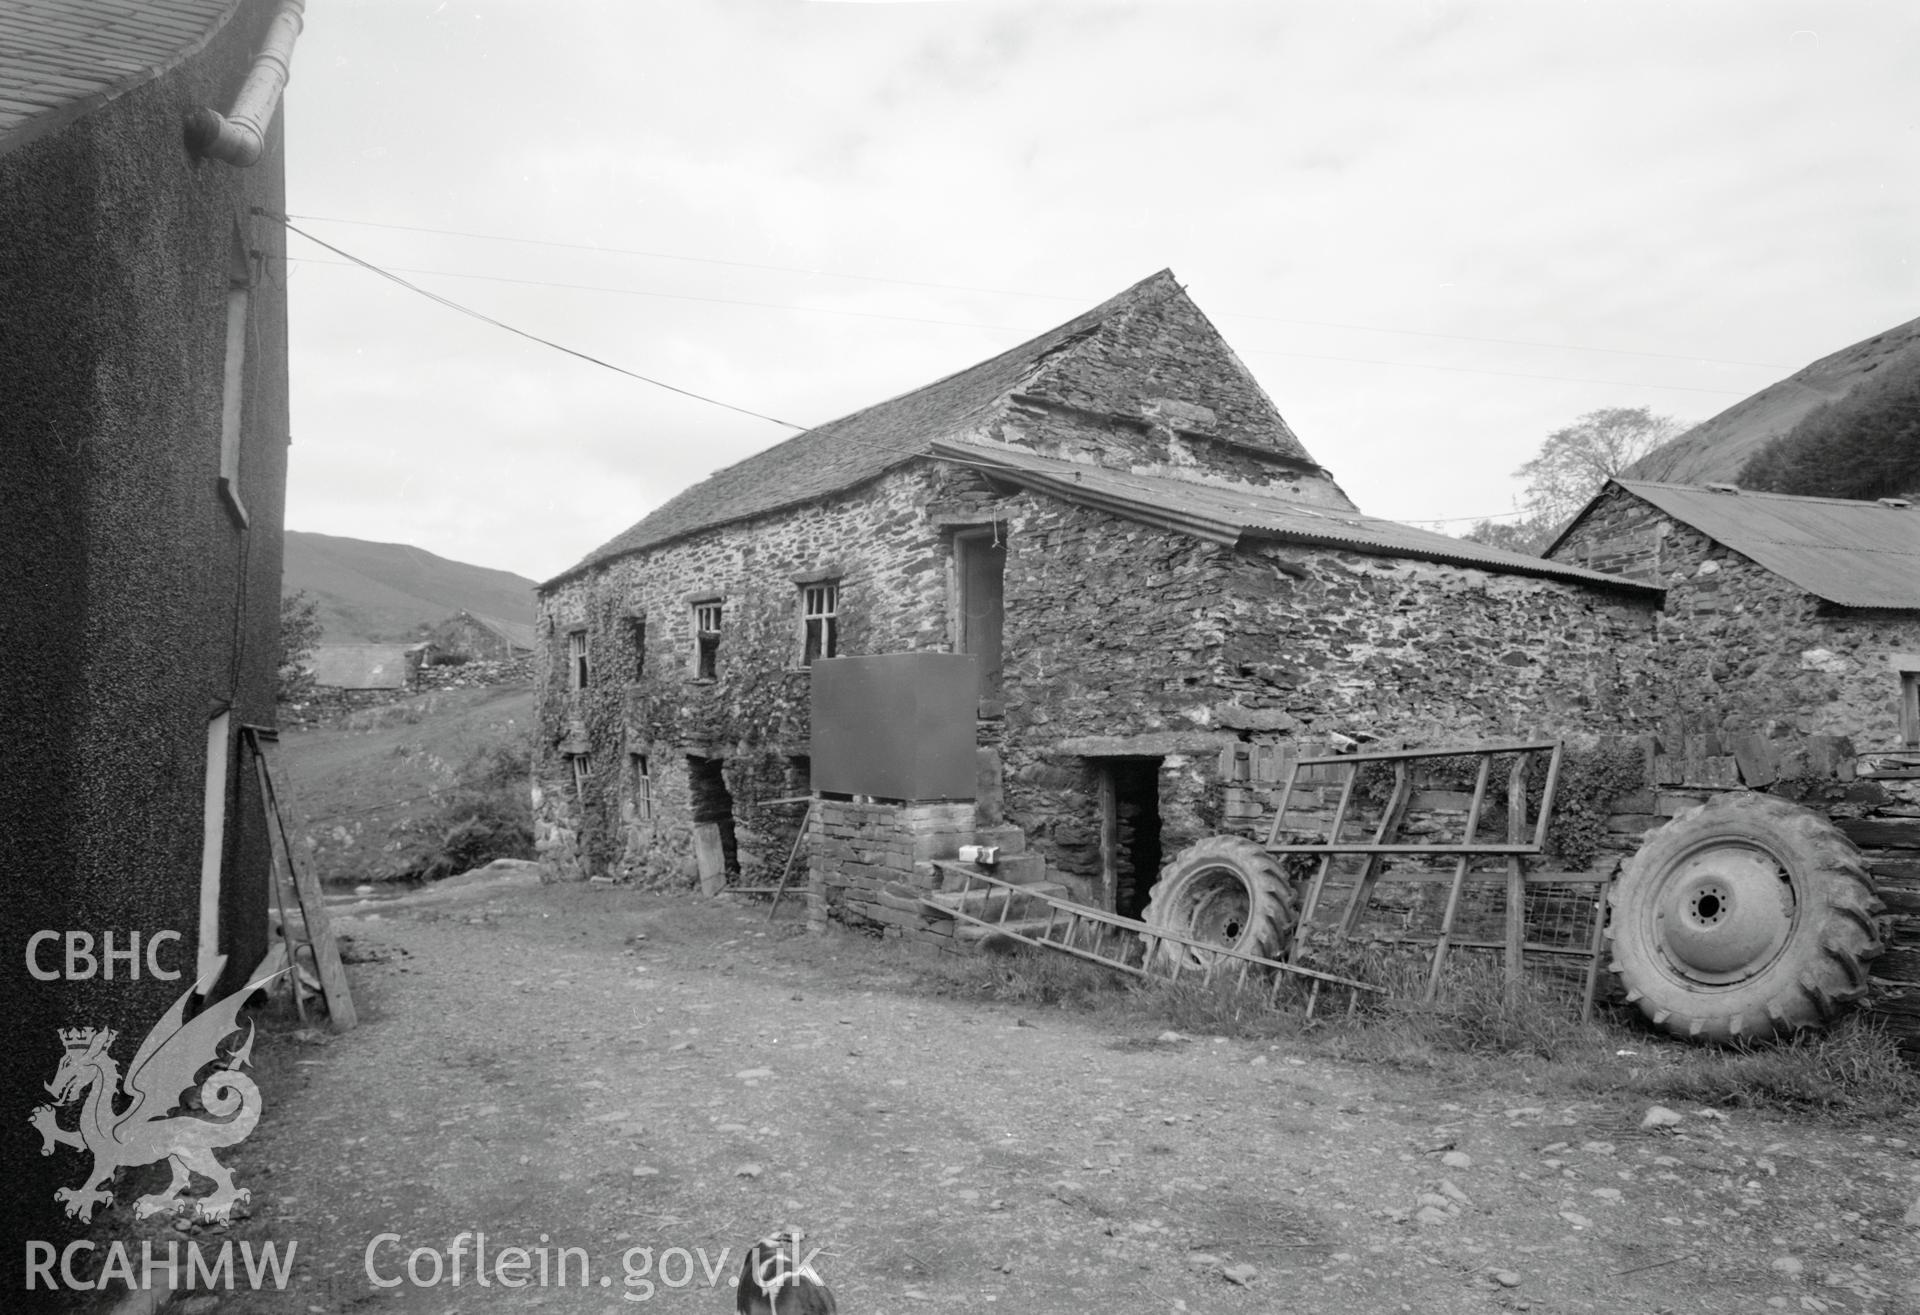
{"x": 525, "y": 1068}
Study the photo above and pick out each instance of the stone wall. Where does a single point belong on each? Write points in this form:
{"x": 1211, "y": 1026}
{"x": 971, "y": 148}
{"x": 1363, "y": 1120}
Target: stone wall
{"x": 1124, "y": 640}
{"x": 881, "y": 542}
{"x": 1741, "y": 645}
{"x": 1121, "y": 641}
{"x": 858, "y": 851}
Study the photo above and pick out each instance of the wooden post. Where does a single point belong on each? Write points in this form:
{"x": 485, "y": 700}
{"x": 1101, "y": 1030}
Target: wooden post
{"x": 1388, "y": 832}
{"x": 1517, "y": 869}
{"x": 313, "y": 907}
{"x": 709, "y": 856}
{"x": 1109, "y": 841}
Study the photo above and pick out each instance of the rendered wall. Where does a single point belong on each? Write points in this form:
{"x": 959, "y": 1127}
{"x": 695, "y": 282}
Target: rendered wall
{"x": 135, "y": 606}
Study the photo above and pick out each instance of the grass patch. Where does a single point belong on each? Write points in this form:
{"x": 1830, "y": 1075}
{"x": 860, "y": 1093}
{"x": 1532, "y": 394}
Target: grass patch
{"x": 1479, "y": 1028}
{"x": 488, "y": 815}
{"x": 1852, "y": 1069}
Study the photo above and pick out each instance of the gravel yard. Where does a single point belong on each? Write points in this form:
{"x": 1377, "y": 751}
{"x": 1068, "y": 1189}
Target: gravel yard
{"x": 640, "y": 1086}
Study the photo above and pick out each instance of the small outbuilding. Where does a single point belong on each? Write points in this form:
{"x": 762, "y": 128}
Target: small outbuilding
{"x": 1801, "y": 610}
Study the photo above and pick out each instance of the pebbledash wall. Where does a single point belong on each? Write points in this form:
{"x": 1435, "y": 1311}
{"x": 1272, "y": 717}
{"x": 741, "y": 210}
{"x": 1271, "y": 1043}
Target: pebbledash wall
{"x": 1741, "y": 646}
{"x": 142, "y": 605}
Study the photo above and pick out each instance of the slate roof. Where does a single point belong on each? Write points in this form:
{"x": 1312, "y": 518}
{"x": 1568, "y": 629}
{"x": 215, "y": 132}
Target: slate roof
{"x": 1855, "y": 554}
{"x": 519, "y": 634}
{"x": 60, "y": 59}
{"x": 853, "y": 449}
{"x": 1226, "y": 514}
{"x": 362, "y": 666}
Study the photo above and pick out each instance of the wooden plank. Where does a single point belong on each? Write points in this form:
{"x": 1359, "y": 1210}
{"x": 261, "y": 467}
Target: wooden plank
{"x": 1398, "y": 755}
{"x": 806, "y": 819}
{"x": 313, "y": 906}
{"x": 276, "y": 862}
{"x": 1720, "y": 772}
{"x": 1390, "y": 818}
{"x": 1547, "y": 793}
{"x": 1286, "y": 798}
{"x": 709, "y": 857}
{"x": 1459, "y": 882}
{"x": 1881, "y": 832}
{"x": 1366, "y": 847}
{"x": 1516, "y": 870}
{"x": 1311, "y": 905}
{"x": 1753, "y": 754}
{"x": 1109, "y": 841}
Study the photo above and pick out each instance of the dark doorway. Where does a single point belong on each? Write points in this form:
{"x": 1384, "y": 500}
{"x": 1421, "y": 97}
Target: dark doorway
{"x": 1130, "y": 855}
{"x": 712, "y": 817}
{"x": 980, "y": 568}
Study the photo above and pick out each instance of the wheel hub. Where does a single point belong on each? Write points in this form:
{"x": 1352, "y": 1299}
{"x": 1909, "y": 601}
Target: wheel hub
{"x": 1726, "y": 912}
{"x": 1220, "y": 908}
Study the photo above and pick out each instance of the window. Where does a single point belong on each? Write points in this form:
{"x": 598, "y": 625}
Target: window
{"x": 819, "y": 621}
{"x": 233, "y": 380}
{"x": 1910, "y": 709}
{"x": 582, "y": 773}
{"x": 706, "y": 640}
{"x": 577, "y": 669}
{"x": 637, "y": 641}
{"x": 980, "y": 563}
{"x": 642, "y": 787}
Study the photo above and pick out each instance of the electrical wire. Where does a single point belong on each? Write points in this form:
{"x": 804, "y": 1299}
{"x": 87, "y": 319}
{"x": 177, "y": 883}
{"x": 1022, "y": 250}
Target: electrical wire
{"x": 1013, "y": 292}
{"x": 390, "y": 271}
{"x": 351, "y": 260}
{"x": 532, "y": 337}
{"x": 665, "y": 296}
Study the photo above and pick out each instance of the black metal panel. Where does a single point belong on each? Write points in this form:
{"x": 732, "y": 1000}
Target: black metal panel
{"x": 895, "y": 726}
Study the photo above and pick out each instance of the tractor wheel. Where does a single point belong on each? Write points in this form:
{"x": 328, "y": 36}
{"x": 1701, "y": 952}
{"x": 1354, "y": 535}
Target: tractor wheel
{"x": 1226, "y": 891}
{"x": 1745, "y": 918}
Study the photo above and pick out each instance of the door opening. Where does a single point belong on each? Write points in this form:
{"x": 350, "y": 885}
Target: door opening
{"x": 714, "y": 847}
{"x": 980, "y": 564}
{"x": 1130, "y": 854}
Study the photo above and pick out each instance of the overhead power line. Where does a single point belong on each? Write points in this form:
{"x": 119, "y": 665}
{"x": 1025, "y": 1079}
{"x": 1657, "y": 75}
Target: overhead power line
{"x": 532, "y": 337}
{"x": 391, "y": 271}
{"x": 1017, "y": 292}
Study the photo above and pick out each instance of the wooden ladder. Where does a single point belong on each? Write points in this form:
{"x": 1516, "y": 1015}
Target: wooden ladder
{"x": 289, "y": 868}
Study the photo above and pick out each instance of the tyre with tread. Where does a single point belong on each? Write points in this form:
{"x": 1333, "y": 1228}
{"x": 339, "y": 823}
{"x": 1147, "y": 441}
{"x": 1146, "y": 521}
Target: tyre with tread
{"x": 1224, "y": 890}
{"x": 1745, "y": 918}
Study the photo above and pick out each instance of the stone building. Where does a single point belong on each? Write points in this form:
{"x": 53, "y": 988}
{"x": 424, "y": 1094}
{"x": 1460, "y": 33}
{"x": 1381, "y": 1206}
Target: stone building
{"x": 143, "y": 468}
{"x": 1804, "y": 612}
{"x": 469, "y": 636}
{"x": 1147, "y": 563}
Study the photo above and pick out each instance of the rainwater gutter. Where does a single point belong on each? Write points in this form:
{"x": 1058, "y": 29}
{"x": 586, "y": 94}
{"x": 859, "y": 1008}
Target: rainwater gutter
{"x": 239, "y": 137}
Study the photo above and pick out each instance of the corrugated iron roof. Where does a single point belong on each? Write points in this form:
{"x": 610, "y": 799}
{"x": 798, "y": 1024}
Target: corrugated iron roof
{"x": 1225, "y": 514}
{"x": 60, "y": 59}
{"x": 1855, "y": 554}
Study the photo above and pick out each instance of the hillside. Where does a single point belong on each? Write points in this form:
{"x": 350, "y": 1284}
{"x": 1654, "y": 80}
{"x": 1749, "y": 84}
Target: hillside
{"x": 1716, "y": 450}
{"x": 387, "y": 792}
{"x": 391, "y": 591}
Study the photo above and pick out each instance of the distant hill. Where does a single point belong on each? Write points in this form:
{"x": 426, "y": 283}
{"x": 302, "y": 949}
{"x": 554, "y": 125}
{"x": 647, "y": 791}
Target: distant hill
{"x": 391, "y": 591}
{"x": 1715, "y": 451}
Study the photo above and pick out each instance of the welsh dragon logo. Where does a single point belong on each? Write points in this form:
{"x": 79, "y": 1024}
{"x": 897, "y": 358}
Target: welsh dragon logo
{"x": 147, "y": 1130}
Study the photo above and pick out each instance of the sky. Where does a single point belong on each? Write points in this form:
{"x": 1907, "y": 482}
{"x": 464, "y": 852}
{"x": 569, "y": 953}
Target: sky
{"x": 1435, "y": 232}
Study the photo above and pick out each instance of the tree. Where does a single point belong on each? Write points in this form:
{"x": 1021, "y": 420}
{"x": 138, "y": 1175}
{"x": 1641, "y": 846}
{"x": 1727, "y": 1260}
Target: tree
{"x": 1571, "y": 466}
{"x": 299, "y": 636}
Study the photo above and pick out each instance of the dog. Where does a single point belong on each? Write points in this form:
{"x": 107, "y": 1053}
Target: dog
{"x": 776, "y": 1279}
